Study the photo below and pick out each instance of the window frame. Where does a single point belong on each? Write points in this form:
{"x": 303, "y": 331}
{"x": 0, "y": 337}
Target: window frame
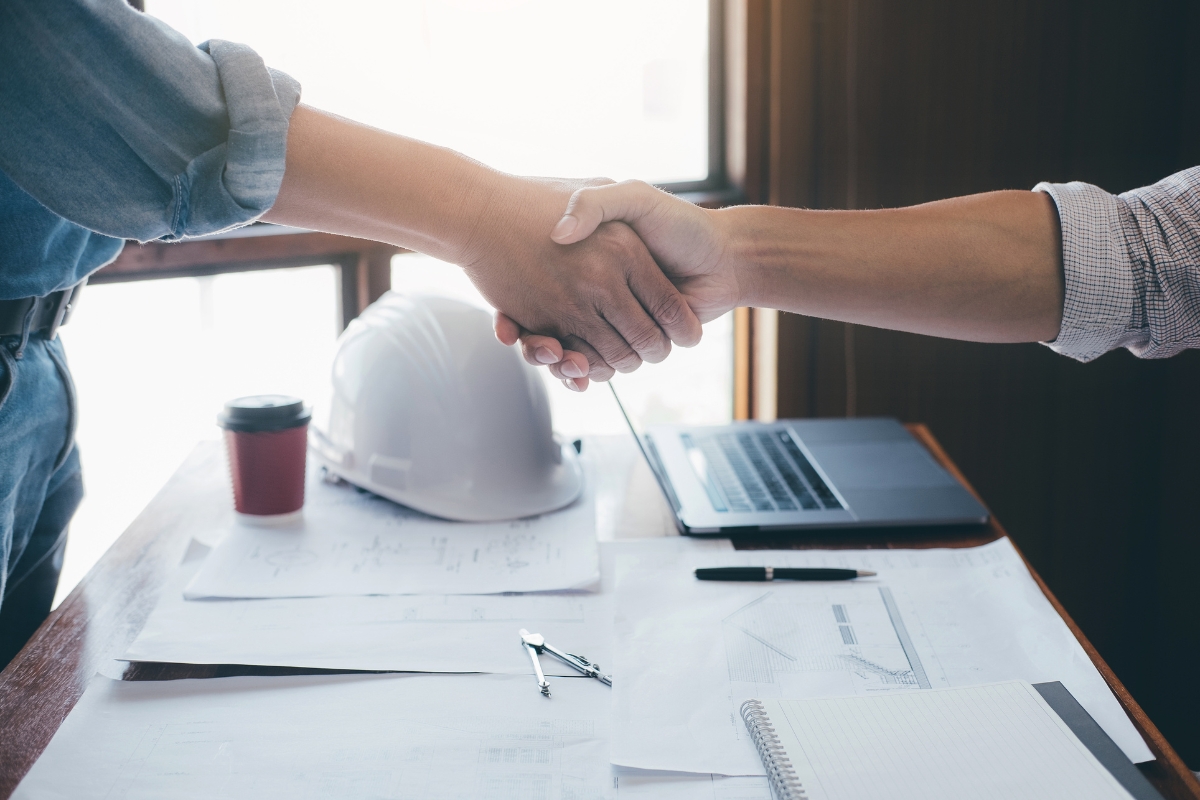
{"x": 716, "y": 188}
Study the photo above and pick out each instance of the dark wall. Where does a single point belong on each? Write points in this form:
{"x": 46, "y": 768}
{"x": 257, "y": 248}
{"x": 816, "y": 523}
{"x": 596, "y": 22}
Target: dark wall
{"x": 1094, "y": 469}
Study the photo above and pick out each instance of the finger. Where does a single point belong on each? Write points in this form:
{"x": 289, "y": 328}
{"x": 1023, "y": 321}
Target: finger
{"x": 576, "y": 384}
{"x": 637, "y": 328}
{"x": 540, "y": 350}
{"x": 573, "y": 365}
{"x": 567, "y": 365}
{"x": 592, "y": 206}
{"x": 617, "y": 301}
{"x": 666, "y": 306}
{"x": 598, "y": 368}
{"x": 507, "y": 331}
{"x": 612, "y": 347}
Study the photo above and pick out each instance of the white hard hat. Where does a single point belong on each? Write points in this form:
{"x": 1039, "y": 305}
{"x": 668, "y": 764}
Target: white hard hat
{"x": 431, "y": 411}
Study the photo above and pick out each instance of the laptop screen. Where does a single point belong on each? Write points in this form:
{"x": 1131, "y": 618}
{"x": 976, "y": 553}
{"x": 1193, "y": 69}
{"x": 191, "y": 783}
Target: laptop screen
{"x": 646, "y": 446}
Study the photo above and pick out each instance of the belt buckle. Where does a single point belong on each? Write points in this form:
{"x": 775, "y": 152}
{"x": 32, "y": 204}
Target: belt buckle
{"x": 62, "y": 310}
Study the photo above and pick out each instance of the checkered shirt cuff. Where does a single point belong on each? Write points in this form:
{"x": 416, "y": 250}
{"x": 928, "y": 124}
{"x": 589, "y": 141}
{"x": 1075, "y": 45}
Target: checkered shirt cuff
{"x": 1098, "y": 308}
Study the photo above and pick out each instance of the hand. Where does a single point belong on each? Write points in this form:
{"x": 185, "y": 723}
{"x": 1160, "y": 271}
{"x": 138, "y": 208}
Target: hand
{"x": 569, "y": 366}
{"x": 689, "y": 243}
{"x": 605, "y": 297}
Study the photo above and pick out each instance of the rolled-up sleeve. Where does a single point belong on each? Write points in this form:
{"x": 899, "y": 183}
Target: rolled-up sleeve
{"x": 117, "y": 123}
{"x": 1131, "y": 266}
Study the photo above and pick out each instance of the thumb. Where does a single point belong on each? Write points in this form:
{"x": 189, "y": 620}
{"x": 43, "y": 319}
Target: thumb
{"x": 507, "y": 330}
{"x": 590, "y": 207}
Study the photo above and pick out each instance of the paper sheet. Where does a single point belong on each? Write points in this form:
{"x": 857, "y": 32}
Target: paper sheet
{"x": 354, "y": 543}
{"x": 410, "y": 737}
{"x": 995, "y": 741}
{"x": 363, "y": 736}
{"x": 689, "y": 652}
{"x": 423, "y": 633}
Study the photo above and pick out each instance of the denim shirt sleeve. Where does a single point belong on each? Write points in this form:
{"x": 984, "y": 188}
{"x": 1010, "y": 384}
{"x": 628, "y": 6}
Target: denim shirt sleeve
{"x": 114, "y": 121}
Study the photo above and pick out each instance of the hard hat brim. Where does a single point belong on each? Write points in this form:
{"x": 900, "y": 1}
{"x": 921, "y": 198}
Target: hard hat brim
{"x": 485, "y": 504}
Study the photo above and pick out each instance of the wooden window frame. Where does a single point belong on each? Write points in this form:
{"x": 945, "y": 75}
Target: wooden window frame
{"x": 364, "y": 267}
{"x": 752, "y": 121}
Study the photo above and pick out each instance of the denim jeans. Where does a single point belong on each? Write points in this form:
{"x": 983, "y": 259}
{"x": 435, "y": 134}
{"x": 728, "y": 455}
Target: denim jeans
{"x": 40, "y": 481}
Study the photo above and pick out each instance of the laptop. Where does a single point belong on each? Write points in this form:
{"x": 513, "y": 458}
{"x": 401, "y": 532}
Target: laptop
{"x": 799, "y": 474}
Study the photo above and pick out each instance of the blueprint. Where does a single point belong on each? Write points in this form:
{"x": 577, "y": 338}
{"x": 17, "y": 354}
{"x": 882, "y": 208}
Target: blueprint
{"x": 353, "y": 737}
{"x": 420, "y": 633}
{"x": 350, "y": 542}
{"x": 364, "y": 736}
{"x": 689, "y": 652}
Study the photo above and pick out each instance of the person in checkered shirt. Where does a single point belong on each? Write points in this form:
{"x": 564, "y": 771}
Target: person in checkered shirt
{"x": 1066, "y": 264}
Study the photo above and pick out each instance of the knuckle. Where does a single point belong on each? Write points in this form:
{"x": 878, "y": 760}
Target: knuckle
{"x": 647, "y": 338}
{"x": 668, "y": 309}
{"x": 626, "y": 361}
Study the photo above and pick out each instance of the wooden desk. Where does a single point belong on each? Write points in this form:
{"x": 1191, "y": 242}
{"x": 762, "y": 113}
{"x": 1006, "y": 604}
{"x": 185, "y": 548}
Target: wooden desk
{"x": 102, "y": 616}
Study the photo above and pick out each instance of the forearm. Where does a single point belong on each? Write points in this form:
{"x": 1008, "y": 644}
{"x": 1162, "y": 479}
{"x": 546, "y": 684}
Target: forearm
{"x": 985, "y": 267}
{"x": 343, "y": 177}
{"x": 607, "y": 293}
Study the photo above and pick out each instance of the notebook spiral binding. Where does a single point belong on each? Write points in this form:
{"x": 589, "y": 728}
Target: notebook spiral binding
{"x": 785, "y": 784}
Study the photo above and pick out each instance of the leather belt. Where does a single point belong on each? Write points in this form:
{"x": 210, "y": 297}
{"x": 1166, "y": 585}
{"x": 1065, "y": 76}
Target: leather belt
{"x": 49, "y": 313}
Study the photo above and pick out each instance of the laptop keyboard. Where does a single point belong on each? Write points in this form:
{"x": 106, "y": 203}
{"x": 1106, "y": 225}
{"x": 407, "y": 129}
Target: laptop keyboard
{"x": 762, "y": 471}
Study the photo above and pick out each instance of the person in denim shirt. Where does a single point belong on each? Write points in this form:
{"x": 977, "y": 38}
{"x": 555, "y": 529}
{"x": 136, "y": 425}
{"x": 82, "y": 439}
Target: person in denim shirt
{"x": 114, "y": 127}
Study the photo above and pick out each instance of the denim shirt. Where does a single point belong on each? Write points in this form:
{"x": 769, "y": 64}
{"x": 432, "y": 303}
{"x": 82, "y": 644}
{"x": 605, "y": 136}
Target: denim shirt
{"x": 113, "y": 127}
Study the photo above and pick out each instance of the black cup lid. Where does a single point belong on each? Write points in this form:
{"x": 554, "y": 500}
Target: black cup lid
{"x": 264, "y": 412}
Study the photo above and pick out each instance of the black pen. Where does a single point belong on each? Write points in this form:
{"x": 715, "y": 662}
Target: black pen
{"x": 780, "y": 573}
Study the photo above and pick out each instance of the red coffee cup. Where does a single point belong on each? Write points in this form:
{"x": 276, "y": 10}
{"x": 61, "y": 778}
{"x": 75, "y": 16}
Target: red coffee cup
{"x": 266, "y": 438}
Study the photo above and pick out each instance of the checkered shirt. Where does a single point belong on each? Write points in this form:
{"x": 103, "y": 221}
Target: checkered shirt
{"x": 1132, "y": 267}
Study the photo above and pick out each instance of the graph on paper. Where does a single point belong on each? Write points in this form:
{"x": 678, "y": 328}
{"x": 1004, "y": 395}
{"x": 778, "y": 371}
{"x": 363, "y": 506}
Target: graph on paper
{"x": 352, "y": 543}
{"x": 855, "y": 630}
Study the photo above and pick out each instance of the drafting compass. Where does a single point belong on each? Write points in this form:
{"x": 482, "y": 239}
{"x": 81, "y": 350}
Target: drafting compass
{"x": 535, "y": 644}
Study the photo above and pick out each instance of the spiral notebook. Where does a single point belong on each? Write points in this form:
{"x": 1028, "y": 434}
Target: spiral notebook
{"x": 1000, "y": 740}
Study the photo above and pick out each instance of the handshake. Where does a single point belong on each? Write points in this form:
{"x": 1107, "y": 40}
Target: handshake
{"x": 593, "y": 277}
{"x": 629, "y": 270}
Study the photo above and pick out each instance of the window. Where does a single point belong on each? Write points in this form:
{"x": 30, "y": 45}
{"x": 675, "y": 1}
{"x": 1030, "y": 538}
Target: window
{"x": 543, "y": 87}
{"x": 618, "y": 88}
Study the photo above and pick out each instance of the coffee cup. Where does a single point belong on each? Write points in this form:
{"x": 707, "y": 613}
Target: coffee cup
{"x": 266, "y": 439}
